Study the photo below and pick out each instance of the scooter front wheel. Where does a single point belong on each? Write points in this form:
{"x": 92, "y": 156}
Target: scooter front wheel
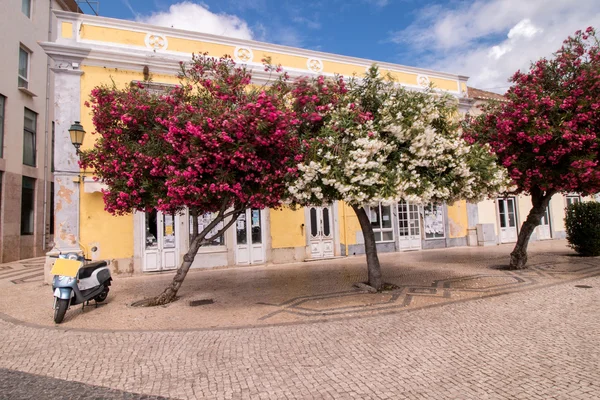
{"x": 61, "y": 308}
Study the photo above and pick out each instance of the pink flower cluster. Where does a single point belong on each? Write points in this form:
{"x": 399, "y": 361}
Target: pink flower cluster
{"x": 211, "y": 141}
{"x": 547, "y": 133}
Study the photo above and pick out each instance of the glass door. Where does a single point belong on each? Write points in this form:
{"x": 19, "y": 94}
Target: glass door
{"x": 160, "y": 241}
{"x": 249, "y": 234}
{"x": 409, "y": 226}
{"x": 168, "y": 241}
{"x": 508, "y": 220}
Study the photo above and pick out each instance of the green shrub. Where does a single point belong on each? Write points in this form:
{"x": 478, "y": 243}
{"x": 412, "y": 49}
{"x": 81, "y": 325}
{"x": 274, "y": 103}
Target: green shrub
{"x": 583, "y": 228}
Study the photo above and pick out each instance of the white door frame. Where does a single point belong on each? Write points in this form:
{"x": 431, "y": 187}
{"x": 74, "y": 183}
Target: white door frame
{"x": 411, "y": 241}
{"x": 159, "y": 257}
{"x": 320, "y": 244}
{"x": 506, "y": 234}
{"x": 250, "y": 253}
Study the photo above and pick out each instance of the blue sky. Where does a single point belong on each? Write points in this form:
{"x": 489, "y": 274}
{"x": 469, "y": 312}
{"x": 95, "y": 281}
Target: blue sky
{"x": 487, "y": 40}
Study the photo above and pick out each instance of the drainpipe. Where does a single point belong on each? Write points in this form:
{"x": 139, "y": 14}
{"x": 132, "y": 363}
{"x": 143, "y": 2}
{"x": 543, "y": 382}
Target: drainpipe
{"x": 345, "y": 227}
{"x": 45, "y": 213}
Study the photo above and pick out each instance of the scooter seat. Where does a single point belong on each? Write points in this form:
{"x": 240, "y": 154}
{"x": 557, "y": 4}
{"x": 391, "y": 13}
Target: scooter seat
{"x": 87, "y": 270}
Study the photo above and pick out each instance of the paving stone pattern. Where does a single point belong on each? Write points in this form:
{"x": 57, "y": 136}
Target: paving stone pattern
{"x": 539, "y": 344}
{"x": 22, "y": 386}
{"x": 24, "y": 271}
{"x": 307, "y": 292}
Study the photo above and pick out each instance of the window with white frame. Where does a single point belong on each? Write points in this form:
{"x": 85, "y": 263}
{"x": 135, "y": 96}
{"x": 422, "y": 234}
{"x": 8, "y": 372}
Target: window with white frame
{"x": 573, "y": 199}
{"x": 433, "y": 219}
{"x": 381, "y": 221}
{"x": 26, "y": 7}
{"x": 24, "y": 55}
{"x": 203, "y": 221}
{"x": 29, "y": 133}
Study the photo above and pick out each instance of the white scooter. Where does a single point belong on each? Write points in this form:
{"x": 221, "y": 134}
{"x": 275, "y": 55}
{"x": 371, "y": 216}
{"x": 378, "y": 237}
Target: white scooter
{"x": 78, "y": 283}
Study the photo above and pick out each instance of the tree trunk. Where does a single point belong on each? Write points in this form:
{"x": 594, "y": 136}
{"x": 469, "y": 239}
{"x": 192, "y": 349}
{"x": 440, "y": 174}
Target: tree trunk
{"x": 373, "y": 265}
{"x": 170, "y": 293}
{"x": 540, "y": 200}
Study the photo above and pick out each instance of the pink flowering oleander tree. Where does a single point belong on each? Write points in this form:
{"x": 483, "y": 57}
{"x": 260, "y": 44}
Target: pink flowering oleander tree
{"x": 547, "y": 132}
{"x": 214, "y": 144}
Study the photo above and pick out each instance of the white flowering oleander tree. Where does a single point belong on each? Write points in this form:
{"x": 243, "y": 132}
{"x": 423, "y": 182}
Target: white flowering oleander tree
{"x": 381, "y": 142}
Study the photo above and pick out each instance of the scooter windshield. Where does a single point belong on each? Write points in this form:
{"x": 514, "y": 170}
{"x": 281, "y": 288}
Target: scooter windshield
{"x": 65, "y": 267}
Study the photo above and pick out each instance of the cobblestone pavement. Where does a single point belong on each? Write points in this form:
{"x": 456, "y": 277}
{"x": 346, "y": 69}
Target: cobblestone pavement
{"x": 542, "y": 342}
{"x": 308, "y": 292}
{"x": 23, "y": 271}
{"x": 22, "y": 386}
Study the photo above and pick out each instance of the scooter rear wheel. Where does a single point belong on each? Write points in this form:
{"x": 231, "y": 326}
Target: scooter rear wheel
{"x": 102, "y": 296}
{"x": 61, "y": 308}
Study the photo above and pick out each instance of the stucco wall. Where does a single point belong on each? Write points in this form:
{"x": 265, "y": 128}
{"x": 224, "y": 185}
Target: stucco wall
{"x": 457, "y": 219}
{"x": 113, "y": 236}
{"x": 350, "y": 232}
{"x": 288, "y": 228}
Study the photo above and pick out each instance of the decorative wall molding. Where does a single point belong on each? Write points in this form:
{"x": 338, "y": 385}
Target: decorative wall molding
{"x": 155, "y": 87}
{"x": 92, "y": 186}
{"x": 156, "y": 41}
{"x": 314, "y": 65}
{"x": 243, "y": 54}
{"x": 423, "y": 80}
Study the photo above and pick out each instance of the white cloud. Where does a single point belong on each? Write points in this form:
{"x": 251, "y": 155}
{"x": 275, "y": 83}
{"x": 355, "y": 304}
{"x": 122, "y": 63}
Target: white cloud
{"x": 490, "y": 40}
{"x": 197, "y": 17}
{"x": 524, "y": 29}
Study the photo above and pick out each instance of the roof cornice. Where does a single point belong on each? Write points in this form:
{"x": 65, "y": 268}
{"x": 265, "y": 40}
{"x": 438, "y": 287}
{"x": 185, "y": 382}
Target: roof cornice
{"x": 223, "y": 40}
{"x": 65, "y": 55}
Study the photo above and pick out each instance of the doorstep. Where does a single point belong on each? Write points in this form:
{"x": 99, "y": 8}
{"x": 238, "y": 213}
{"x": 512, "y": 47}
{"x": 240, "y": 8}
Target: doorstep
{"x": 324, "y": 258}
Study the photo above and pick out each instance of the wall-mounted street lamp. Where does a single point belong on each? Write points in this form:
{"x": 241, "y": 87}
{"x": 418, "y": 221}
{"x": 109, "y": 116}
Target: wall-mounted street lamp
{"x": 77, "y": 134}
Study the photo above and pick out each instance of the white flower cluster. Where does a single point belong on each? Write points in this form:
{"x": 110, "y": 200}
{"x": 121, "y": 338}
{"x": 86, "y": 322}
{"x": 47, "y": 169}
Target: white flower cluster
{"x": 349, "y": 176}
{"x": 413, "y": 151}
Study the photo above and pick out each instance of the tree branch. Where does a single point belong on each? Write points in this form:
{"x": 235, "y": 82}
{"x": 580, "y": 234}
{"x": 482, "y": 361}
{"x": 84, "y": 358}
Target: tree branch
{"x": 233, "y": 212}
{"x": 225, "y": 227}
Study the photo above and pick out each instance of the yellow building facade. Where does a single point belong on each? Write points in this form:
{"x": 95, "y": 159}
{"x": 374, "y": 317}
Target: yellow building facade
{"x": 91, "y": 51}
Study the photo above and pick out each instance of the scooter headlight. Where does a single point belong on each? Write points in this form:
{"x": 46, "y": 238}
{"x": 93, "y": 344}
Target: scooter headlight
{"x": 65, "y": 280}
{"x": 70, "y": 256}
